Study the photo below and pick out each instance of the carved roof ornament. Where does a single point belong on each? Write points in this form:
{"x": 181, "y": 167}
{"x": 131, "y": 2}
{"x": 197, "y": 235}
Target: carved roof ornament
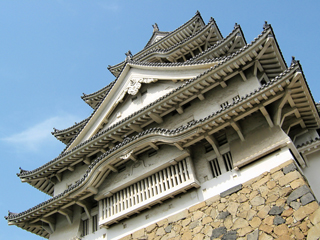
{"x": 265, "y": 25}
{"x": 128, "y": 55}
{"x": 126, "y": 156}
{"x": 236, "y": 25}
{"x": 134, "y": 86}
{"x": 155, "y": 27}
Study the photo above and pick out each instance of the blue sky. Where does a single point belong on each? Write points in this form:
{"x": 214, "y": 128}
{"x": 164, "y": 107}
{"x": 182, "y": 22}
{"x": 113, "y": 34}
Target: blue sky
{"x": 53, "y": 51}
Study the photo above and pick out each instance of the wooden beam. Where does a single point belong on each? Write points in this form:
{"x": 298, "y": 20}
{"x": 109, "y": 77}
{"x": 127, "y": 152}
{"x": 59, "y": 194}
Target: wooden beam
{"x": 279, "y": 106}
{"x": 269, "y": 40}
{"x": 155, "y": 117}
{"x": 154, "y": 146}
{"x": 135, "y": 127}
{"x": 265, "y": 113}
{"x": 244, "y": 78}
{"x": 201, "y": 97}
{"x": 67, "y": 213}
{"x": 178, "y": 146}
{"x": 116, "y": 137}
{"x": 213, "y": 143}
{"x": 50, "y": 221}
{"x": 236, "y": 127}
{"x": 86, "y": 160}
{"x": 112, "y": 168}
{"x": 93, "y": 190}
{"x": 85, "y": 205}
{"x": 287, "y": 112}
{"x": 47, "y": 229}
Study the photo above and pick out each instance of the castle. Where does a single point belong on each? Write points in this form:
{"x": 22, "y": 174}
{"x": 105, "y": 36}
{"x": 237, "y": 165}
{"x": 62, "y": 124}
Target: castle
{"x": 199, "y": 136}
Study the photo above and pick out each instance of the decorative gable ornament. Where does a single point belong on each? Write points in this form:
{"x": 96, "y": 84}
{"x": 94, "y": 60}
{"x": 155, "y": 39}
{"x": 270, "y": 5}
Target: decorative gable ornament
{"x": 134, "y": 86}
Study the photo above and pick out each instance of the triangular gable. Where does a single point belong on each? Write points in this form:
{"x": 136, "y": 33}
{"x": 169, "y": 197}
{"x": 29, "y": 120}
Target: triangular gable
{"x": 129, "y": 83}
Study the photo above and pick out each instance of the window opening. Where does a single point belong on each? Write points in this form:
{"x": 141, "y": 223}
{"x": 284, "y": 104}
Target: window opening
{"x": 215, "y": 167}
{"x": 94, "y": 223}
{"x": 85, "y": 227}
{"x": 228, "y": 161}
{"x": 224, "y": 105}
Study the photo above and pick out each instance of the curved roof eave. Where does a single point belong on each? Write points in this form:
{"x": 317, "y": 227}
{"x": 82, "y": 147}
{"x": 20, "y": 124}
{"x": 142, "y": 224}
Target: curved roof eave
{"x": 197, "y": 16}
{"x": 165, "y": 132}
{"x": 224, "y": 61}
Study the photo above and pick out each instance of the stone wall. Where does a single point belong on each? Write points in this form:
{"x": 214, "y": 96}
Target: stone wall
{"x": 275, "y": 205}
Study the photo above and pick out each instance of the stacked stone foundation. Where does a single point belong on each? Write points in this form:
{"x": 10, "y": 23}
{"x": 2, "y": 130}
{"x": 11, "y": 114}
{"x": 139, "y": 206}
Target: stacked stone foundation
{"x": 275, "y": 205}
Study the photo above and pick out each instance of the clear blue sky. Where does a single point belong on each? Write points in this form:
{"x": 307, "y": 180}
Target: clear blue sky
{"x": 53, "y": 51}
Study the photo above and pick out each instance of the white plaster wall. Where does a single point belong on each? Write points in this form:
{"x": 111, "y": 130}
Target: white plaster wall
{"x": 208, "y": 189}
{"x": 312, "y": 172}
{"x": 129, "y": 106}
{"x": 64, "y": 230}
{"x": 69, "y": 177}
{"x": 136, "y": 171}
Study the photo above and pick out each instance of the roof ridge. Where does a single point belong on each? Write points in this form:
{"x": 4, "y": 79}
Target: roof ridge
{"x": 222, "y": 61}
{"x": 150, "y": 131}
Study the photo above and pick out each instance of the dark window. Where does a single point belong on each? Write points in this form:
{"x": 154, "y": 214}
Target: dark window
{"x": 94, "y": 223}
{"x": 215, "y": 167}
{"x": 85, "y": 227}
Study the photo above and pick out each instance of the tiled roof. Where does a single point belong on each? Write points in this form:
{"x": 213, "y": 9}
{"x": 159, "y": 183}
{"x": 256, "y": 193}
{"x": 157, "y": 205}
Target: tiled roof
{"x": 221, "y": 61}
{"x": 197, "y": 15}
{"x": 152, "y": 131}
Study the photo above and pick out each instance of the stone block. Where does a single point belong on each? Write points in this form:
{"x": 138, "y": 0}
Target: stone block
{"x": 193, "y": 225}
{"x": 277, "y": 175}
{"x": 281, "y": 230}
{"x": 255, "y": 222}
{"x": 197, "y": 215}
{"x": 179, "y": 216}
{"x": 218, "y": 232}
{"x": 197, "y": 229}
{"x": 268, "y": 220}
{"x": 168, "y": 228}
{"x": 295, "y": 205}
{"x": 286, "y": 179}
{"x": 223, "y": 215}
{"x": 198, "y": 236}
{"x": 262, "y": 181}
{"x": 263, "y": 212}
{"x": 206, "y": 220}
{"x": 278, "y": 220}
{"x": 265, "y": 228}
{"x": 221, "y": 206}
{"x": 314, "y": 232}
{"x": 271, "y": 184}
{"x": 231, "y": 235}
{"x": 257, "y": 201}
{"x": 232, "y": 208}
{"x": 287, "y": 213}
{"x": 228, "y": 223}
{"x": 297, "y": 183}
{"x": 240, "y": 223}
{"x": 283, "y": 192}
{"x": 306, "y": 210}
{"x": 151, "y": 227}
{"x": 231, "y": 190}
{"x": 186, "y": 222}
{"x": 254, "y": 235}
{"x": 160, "y": 232}
{"x": 315, "y": 217}
{"x": 186, "y": 236}
{"x": 275, "y": 210}
{"x": 289, "y": 168}
{"x": 162, "y": 222}
{"x": 307, "y": 198}
{"x": 197, "y": 206}
{"x": 138, "y": 234}
{"x": 265, "y": 236}
{"x": 297, "y": 193}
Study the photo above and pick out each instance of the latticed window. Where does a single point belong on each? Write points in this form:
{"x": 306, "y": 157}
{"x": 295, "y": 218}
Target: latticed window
{"x": 217, "y": 164}
{"x": 148, "y": 191}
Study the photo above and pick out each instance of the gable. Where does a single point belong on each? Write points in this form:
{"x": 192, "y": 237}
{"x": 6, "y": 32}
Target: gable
{"x": 129, "y": 83}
